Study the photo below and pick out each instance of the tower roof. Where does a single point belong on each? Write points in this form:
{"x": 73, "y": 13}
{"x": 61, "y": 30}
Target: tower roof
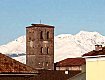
{"x": 40, "y": 25}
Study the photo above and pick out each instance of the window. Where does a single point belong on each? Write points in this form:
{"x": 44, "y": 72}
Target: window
{"x": 47, "y": 35}
{"x": 46, "y": 63}
{"x": 41, "y": 50}
{"x": 29, "y": 38}
{"x": 66, "y": 72}
{"x": 47, "y": 50}
{"x": 43, "y": 64}
{"x": 41, "y": 35}
{"x": 31, "y": 43}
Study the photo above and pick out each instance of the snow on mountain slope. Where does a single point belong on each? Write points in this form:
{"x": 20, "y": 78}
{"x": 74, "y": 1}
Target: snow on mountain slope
{"x": 16, "y": 46}
{"x": 21, "y": 59}
{"x": 65, "y": 45}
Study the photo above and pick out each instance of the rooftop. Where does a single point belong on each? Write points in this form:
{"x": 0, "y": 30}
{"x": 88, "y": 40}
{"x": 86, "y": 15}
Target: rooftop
{"x": 40, "y": 25}
{"x": 55, "y": 75}
{"x": 95, "y": 53}
{"x": 10, "y": 65}
{"x": 71, "y": 62}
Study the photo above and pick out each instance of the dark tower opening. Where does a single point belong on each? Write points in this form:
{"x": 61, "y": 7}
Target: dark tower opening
{"x": 47, "y": 35}
{"x": 41, "y": 50}
{"x": 47, "y": 50}
{"x": 41, "y": 35}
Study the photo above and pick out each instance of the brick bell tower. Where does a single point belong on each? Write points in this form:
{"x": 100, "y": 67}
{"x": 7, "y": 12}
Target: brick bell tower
{"x": 40, "y": 46}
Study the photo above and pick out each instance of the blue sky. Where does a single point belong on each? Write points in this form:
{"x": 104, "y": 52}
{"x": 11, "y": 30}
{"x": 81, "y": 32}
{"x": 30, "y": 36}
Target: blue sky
{"x": 68, "y": 16}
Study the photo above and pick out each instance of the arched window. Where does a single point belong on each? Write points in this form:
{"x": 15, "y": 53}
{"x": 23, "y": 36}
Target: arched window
{"x": 47, "y": 64}
{"x": 29, "y": 38}
{"x": 47, "y": 50}
{"x": 41, "y": 50}
{"x": 47, "y": 35}
{"x": 41, "y": 35}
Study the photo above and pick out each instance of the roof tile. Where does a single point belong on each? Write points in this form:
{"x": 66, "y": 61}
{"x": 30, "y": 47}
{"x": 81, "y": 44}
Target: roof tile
{"x": 71, "y": 62}
{"x": 95, "y": 53}
{"x": 8, "y": 64}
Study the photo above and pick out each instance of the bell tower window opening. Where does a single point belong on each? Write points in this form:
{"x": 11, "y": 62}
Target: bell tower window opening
{"x": 47, "y": 64}
{"x": 41, "y": 35}
{"x": 47, "y": 50}
{"x": 29, "y": 38}
{"x": 47, "y": 35}
{"x": 41, "y": 50}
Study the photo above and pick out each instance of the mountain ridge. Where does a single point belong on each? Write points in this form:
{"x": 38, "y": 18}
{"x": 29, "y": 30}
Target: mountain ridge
{"x": 65, "y": 45}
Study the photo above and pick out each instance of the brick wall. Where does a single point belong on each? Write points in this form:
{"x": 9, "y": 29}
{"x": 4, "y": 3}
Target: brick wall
{"x": 40, "y": 51}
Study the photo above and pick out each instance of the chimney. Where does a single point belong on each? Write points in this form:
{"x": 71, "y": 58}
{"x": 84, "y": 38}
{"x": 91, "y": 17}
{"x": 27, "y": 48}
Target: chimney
{"x": 98, "y": 47}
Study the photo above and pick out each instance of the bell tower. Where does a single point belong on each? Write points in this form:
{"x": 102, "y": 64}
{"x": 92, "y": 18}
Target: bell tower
{"x": 40, "y": 46}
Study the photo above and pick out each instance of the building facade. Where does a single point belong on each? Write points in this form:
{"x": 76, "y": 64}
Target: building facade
{"x": 95, "y": 64}
{"x": 95, "y": 67}
{"x": 70, "y": 64}
{"x": 40, "y": 46}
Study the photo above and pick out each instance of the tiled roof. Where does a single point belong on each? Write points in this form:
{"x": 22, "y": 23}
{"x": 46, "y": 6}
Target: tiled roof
{"x": 40, "y": 25}
{"x": 9, "y": 65}
{"x": 54, "y": 75}
{"x": 95, "y": 53}
{"x": 71, "y": 62}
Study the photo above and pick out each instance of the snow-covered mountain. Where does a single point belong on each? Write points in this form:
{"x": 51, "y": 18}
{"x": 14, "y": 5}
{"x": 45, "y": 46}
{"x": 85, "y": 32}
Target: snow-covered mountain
{"x": 17, "y": 46}
{"x": 66, "y": 45}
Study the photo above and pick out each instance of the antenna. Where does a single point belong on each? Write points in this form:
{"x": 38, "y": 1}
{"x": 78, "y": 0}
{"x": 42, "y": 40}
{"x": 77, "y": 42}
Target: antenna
{"x": 40, "y": 21}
